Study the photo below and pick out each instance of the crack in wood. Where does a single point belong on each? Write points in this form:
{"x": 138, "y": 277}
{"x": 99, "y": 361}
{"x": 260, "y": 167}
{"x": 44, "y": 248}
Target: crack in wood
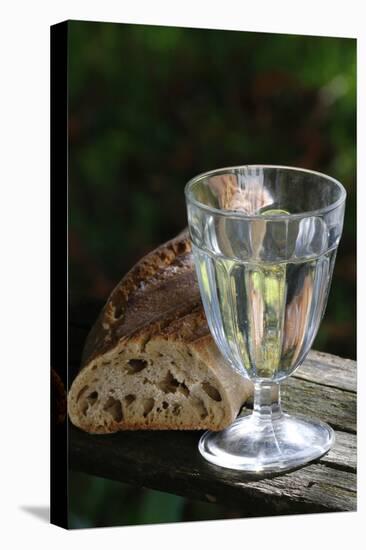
{"x": 323, "y": 384}
{"x": 340, "y": 467}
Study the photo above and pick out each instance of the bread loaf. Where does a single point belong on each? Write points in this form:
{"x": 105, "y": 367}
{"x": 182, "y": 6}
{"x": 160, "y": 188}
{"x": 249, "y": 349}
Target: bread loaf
{"x": 149, "y": 361}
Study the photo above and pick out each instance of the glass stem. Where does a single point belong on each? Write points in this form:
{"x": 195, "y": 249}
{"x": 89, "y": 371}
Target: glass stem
{"x": 267, "y": 401}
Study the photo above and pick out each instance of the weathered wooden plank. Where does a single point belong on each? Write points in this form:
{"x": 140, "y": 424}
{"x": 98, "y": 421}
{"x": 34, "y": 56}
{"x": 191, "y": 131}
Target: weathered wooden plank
{"x": 343, "y": 455}
{"x": 332, "y": 405}
{"x": 330, "y": 370}
{"x": 170, "y": 462}
{"x": 315, "y": 484}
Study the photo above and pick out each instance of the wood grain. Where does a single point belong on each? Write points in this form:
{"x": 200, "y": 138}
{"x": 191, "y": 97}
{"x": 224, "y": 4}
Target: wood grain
{"x": 170, "y": 461}
{"x": 328, "y": 370}
{"x": 323, "y": 387}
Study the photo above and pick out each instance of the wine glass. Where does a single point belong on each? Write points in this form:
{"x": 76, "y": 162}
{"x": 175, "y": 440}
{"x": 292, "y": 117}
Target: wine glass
{"x": 264, "y": 241}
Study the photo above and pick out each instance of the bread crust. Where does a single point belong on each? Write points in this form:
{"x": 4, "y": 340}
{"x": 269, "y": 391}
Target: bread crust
{"x": 171, "y": 264}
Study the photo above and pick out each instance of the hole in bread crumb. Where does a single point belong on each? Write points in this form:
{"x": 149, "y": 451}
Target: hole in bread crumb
{"x": 160, "y": 354}
{"x": 135, "y": 365}
{"x": 211, "y": 391}
{"x": 183, "y": 389}
{"x": 92, "y": 397}
{"x": 148, "y": 405}
{"x": 81, "y": 392}
{"x": 200, "y": 407}
{"x": 94, "y": 367}
{"x": 169, "y": 384}
{"x": 190, "y": 354}
{"x": 130, "y": 398}
{"x": 114, "y": 408}
{"x": 165, "y": 405}
{"x": 176, "y": 409}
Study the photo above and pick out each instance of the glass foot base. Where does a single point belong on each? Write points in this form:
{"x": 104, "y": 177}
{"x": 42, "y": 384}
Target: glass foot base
{"x": 258, "y": 445}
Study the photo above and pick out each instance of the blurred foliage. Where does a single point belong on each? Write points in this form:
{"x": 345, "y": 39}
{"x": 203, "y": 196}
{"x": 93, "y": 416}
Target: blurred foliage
{"x": 150, "y": 107}
{"x": 99, "y": 502}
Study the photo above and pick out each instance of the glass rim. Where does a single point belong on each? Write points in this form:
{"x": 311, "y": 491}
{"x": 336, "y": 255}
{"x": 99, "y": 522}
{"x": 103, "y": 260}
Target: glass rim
{"x": 272, "y": 217}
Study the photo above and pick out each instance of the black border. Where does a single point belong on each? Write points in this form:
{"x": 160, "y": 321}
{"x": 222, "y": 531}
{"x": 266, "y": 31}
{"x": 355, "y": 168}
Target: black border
{"x": 59, "y": 263}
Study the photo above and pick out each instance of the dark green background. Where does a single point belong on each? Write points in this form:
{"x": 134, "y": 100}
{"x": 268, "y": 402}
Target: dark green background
{"x": 150, "y": 107}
